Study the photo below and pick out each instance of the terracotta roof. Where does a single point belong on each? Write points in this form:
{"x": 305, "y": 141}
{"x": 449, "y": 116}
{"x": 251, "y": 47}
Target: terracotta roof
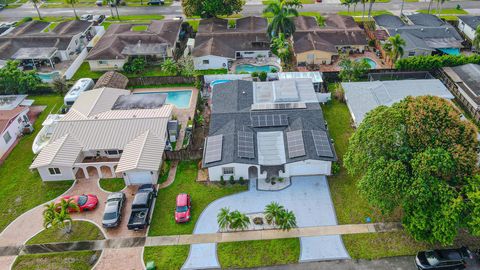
{"x": 7, "y": 116}
{"x": 112, "y": 79}
{"x": 312, "y": 42}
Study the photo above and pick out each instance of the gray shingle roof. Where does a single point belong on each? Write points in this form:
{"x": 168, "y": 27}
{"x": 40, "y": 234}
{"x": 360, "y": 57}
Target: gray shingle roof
{"x": 468, "y": 77}
{"x": 472, "y": 21}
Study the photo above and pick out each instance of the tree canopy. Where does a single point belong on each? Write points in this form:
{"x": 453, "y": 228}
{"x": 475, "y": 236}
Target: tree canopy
{"x": 16, "y": 81}
{"x": 419, "y": 155}
{"x": 283, "y": 12}
{"x": 352, "y": 70}
{"x": 211, "y": 8}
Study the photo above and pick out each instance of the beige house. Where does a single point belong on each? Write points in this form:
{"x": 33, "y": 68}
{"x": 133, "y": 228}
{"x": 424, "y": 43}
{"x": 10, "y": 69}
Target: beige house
{"x": 108, "y": 133}
{"x": 122, "y": 42}
{"x": 317, "y": 45}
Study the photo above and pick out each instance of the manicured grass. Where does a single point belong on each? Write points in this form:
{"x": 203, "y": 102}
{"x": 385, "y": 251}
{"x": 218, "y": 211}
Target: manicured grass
{"x": 112, "y": 184}
{"x": 194, "y": 24}
{"x": 357, "y": 15}
{"x": 127, "y": 18}
{"x": 51, "y": 26}
{"x": 305, "y": 2}
{"x": 163, "y": 222}
{"x": 212, "y": 71}
{"x": 444, "y": 11}
{"x": 378, "y": 245}
{"x": 140, "y": 27}
{"x": 78, "y": 260}
{"x": 258, "y": 253}
{"x": 81, "y": 231}
{"x": 163, "y": 85}
{"x": 166, "y": 257}
{"x": 85, "y": 72}
{"x": 22, "y": 189}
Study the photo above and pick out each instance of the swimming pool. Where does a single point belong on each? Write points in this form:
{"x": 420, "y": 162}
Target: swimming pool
{"x": 212, "y": 84}
{"x": 252, "y": 68}
{"x": 48, "y": 77}
{"x": 371, "y": 62}
{"x": 180, "y": 99}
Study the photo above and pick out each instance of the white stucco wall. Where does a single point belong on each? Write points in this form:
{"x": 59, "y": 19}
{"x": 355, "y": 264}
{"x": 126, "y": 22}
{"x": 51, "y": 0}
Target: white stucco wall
{"x": 214, "y": 62}
{"x": 240, "y": 170}
{"x": 66, "y": 173}
{"x": 128, "y": 175}
{"x": 307, "y": 167}
{"x": 15, "y": 130}
{"x": 107, "y": 65}
{"x": 467, "y": 30}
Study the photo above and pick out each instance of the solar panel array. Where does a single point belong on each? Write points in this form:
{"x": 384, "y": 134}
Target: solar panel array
{"x": 213, "y": 151}
{"x": 296, "y": 147}
{"x": 246, "y": 148}
{"x": 278, "y": 106}
{"x": 269, "y": 120}
{"x": 322, "y": 144}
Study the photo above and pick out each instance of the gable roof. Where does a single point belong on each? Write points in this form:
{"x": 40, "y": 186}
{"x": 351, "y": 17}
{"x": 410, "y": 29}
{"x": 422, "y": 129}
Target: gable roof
{"x": 388, "y": 21}
{"x": 6, "y": 116}
{"x": 425, "y": 20}
{"x": 96, "y": 101}
{"x": 468, "y": 78}
{"x": 63, "y": 151}
{"x": 143, "y": 153}
{"x": 112, "y": 79}
{"x": 472, "y": 21}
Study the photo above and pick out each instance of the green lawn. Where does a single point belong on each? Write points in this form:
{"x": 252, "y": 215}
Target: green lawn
{"x": 128, "y": 18}
{"x": 112, "y": 184}
{"x": 305, "y": 2}
{"x": 81, "y": 231}
{"x": 78, "y": 260}
{"x": 140, "y": 28}
{"x": 194, "y": 24}
{"x": 85, "y": 72}
{"x": 357, "y": 15}
{"x": 212, "y": 71}
{"x": 258, "y": 253}
{"x": 163, "y": 222}
{"x": 22, "y": 189}
{"x": 444, "y": 11}
{"x": 166, "y": 257}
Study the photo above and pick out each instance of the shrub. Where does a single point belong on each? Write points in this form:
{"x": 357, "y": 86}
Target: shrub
{"x": 339, "y": 94}
{"x": 335, "y": 168}
{"x": 433, "y": 62}
{"x": 241, "y": 181}
{"x": 231, "y": 180}
{"x": 135, "y": 65}
{"x": 371, "y": 43}
{"x": 262, "y": 76}
{"x": 254, "y": 74}
{"x": 222, "y": 181}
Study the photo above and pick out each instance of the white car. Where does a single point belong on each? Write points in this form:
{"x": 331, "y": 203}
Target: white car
{"x": 86, "y": 17}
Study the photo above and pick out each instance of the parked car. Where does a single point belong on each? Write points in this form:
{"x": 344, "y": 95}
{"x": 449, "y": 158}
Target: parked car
{"x": 2, "y": 6}
{"x": 114, "y": 3}
{"x": 447, "y": 259}
{"x": 99, "y": 3}
{"x": 182, "y": 211}
{"x": 85, "y": 202}
{"x": 155, "y": 2}
{"x": 112, "y": 215}
{"x": 142, "y": 207}
{"x": 97, "y": 19}
{"x": 86, "y": 17}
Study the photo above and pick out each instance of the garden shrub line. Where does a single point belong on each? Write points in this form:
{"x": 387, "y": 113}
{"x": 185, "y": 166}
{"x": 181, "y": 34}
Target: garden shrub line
{"x": 433, "y": 62}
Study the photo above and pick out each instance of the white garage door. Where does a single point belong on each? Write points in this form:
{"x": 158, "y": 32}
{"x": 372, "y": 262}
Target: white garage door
{"x": 139, "y": 178}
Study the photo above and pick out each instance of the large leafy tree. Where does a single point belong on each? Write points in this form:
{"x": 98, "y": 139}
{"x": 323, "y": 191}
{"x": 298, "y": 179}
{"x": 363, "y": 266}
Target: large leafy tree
{"x": 419, "y": 155}
{"x": 282, "y": 48}
{"x": 476, "y": 40}
{"x": 15, "y": 81}
{"x": 211, "y": 8}
{"x": 351, "y": 70}
{"x": 394, "y": 47}
{"x": 283, "y": 12}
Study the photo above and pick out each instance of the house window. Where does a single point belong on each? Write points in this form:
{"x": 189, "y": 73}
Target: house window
{"x": 102, "y": 62}
{"x": 112, "y": 152}
{"x": 228, "y": 170}
{"x": 7, "y": 137}
{"x": 54, "y": 171}
{"x": 206, "y": 62}
{"x": 412, "y": 53}
{"x": 248, "y": 52}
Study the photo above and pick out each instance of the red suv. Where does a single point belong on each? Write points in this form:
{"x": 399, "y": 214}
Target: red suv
{"x": 182, "y": 211}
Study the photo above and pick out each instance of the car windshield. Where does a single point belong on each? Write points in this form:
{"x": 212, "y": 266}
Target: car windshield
{"x": 182, "y": 209}
{"x": 110, "y": 215}
{"x": 82, "y": 200}
{"x": 432, "y": 258}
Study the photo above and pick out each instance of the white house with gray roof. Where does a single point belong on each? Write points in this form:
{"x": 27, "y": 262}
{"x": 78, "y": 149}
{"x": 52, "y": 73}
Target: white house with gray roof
{"x": 261, "y": 130}
{"x": 362, "y": 97}
{"x": 108, "y": 133}
{"x": 467, "y": 24}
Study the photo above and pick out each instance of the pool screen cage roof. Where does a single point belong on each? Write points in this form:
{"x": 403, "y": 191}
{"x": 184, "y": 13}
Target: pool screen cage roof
{"x": 390, "y": 76}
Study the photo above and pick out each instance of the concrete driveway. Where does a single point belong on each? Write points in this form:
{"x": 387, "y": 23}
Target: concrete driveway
{"x": 308, "y": 197}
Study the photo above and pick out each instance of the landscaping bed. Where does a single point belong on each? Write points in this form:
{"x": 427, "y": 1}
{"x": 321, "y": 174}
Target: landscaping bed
{"x": 258, "y": 253}
{"x": 81, "y": 231}
{"x": 163, "y": 222}
{"x": 112, "y": 184}
{"x": 166, "y": 257}
{"x": 78, "y": 260}
{"x": 23, "y": 189}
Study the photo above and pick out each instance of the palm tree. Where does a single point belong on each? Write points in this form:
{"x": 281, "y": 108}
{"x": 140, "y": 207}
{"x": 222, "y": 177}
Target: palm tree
{"x": 57, "y": 215}
{"x": 35, "y": 4}
{"x": 169, "y": 66}
{"x": 49, "y": 214}
{"x": 429, "y": 6}
{"x": 281, "y": 48}
{"x": 476, "y": 40}
{"x": 238, "y": 220}
{"x": 287, "y": 220}
{"x": 440, "y": 6}
{"x": 283, "y": 11}
{"x": 72, "y": 3}
{"x": 223, "y": 218}
{"x": 363, "y": 9}
{"x": 394, "y": 47}
{"x": 347, "y": 3}
{"x": 401, "y": 9}
{"x": 272, "y": 212}
{"x": 370, "y": 7}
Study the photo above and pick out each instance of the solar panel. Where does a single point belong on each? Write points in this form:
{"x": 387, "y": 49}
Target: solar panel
{"x": 278, "y": 106}
{"x": 295, "y": 145}
{"x": 213, "y": 150}
{"x": 322, "y": 144}
{"x": 269, "y": 120}
{"x": 246, "y": 148}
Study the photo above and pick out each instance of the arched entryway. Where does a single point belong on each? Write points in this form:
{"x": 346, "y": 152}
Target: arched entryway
{"x": 92, "y": 172}
{"x": 252, "y": 172}
{"x": 80, "y": 174}
{"x": 106, "y": 172}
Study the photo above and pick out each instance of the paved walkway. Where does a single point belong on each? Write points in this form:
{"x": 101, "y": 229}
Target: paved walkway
{"x": 171, "y": 175}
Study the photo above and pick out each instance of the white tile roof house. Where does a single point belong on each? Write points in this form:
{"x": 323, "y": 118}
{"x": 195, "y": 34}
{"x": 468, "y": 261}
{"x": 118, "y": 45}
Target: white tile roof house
{"x": 110, "y": 133}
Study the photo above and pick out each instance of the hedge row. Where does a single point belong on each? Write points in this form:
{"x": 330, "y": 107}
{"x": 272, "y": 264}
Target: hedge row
{"x": 436, "y": 61}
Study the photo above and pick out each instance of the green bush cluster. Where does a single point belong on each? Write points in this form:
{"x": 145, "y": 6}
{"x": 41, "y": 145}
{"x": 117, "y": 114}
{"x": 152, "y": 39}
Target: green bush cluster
{"x": 436, "y": 61}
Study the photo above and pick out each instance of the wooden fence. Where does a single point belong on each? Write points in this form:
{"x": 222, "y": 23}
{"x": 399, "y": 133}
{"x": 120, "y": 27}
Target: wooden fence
{"x": 157, "y": 80}
{"x": 184, "y": 154}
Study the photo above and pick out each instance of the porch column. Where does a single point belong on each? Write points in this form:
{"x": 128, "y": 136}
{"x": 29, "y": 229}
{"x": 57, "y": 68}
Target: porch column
{"x": 99, "y": 170}
{"x": 85, "y": 172}
{"x": 114, "y": 175}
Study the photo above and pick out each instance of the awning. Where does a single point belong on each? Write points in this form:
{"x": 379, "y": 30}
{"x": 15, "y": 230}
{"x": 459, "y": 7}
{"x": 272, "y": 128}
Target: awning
{"x": 450, "y": 51}
{"x": 34, "y": 53}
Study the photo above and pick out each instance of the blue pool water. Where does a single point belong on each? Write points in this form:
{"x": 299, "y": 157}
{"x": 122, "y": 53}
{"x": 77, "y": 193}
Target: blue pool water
{"x": 212, "y": 84}
{"x": 252, "y": 68}
{"x": 180, "y": 99}
{"x": 48, "y": 77}
{"x": 372, "y": 63}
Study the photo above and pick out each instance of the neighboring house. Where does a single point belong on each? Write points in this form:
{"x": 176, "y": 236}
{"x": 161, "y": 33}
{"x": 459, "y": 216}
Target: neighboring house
{"x": 362, "y": 97}
{"x": 110, "y": 133}
{"x": 317, "y": 45}
{"x": 464, "y": 82}
{"x": 260, "y": 130}
{"x": 424, "y": 34}
{"x": 122, "y": 41}
{"x": 112, "y": 79}
{"x": 13, "y": 119}
{"x": 33, "y": 47}
{"x": 468, "y": 24}
{"x": 217, "y": 45}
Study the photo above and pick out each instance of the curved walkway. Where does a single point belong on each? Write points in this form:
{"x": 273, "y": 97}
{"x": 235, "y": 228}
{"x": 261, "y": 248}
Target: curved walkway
{"x": 308, "y": 197}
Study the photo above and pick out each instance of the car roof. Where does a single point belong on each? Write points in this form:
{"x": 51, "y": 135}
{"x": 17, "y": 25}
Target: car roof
{"x": 115, "y": 196}
{"x": 111, "y": 206}
{"x": 182, "y": 199}
{"x": 449, "y": 254}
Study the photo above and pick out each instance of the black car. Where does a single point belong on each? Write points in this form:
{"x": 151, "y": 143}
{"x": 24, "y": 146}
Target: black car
{"x": 113, "y": 210}
{"x": 98, "y": 19}
{"x": 155, "y": 2}
{"x": 447, "y": 259}
{"x": 142, "y": 207}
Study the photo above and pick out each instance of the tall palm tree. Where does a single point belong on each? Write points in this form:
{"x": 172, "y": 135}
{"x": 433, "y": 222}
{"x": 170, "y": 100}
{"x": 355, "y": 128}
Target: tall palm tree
{"x": 287, "y": 220}
{"x": 73, "y": 3}
{"x": 272, "y": 212}
{"x": 370, "y": 7}
{"x": 394, "y": 47}
{"x": 401, "y": 9}
{"x": 280, "y": 46}
{"x": 238, "y": 220}
{"x": 282, "y": 22}
{"x": 476, "y": 40}
{"x": 347, "y": 3}
{"x": 223, "y": 218}
{"x": 57, "y": 214}
{"x": 364, "y": 2}
{"x": 429, "y": 6}
{"x": 440, "y": 6}
{"x": 35, "y": 4}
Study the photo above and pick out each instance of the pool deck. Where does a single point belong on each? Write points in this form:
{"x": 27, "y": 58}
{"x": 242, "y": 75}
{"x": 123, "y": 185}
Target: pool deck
{"x": 267, "y": 61}
{"x": 182, "y": 114}
{"x": 367, "y": 54}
